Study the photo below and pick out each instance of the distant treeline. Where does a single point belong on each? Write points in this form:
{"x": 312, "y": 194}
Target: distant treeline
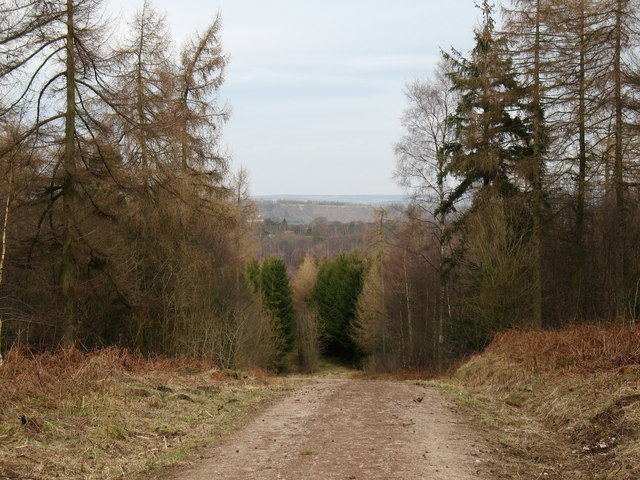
{"x": 306, "y": 202}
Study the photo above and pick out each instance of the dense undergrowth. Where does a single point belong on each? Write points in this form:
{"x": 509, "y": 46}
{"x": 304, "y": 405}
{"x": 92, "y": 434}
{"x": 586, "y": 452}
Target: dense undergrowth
{"x": 561, "y": 404}
{"x": 115, "y": 414}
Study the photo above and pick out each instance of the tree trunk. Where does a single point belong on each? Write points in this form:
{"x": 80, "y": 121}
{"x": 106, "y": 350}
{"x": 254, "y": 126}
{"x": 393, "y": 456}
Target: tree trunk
{"x": 442, "y": 285}
{"x": 582, "y": 159}
{"x": 3, "y": 254}
{"x": 537, "y": 178}
{"x": 409, "y": 309}
{"x": 140, "y": 100}
{"x": 619, "y": 252}
{"x": 67, "y": 268}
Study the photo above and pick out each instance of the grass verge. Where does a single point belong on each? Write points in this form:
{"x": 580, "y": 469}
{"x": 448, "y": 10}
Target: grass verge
{"x": 558, "y": 404}
{"x": 112, "y": 414}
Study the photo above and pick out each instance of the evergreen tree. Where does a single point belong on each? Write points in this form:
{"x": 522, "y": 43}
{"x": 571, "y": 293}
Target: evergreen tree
{"x": 493, "y": 153}
{"x": 278, "y": 300}
{"x": 492, "y": 129}
{"x": 336, "y": 295}
{"x": 252, "y": 275}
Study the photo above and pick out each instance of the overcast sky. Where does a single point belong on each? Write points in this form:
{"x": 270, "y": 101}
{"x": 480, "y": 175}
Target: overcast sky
{"x": 316, "y": 87}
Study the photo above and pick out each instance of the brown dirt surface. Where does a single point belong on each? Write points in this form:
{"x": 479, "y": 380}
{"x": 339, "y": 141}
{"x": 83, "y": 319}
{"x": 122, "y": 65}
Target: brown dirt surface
{"x": 336, "y": 428}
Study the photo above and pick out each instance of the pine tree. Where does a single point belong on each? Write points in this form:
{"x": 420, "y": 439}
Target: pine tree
{"x": 336, "y": 295}
{"x": 493, "y": 155}
{"x": 278, "y": 300}
{"x": 492, "y": 129}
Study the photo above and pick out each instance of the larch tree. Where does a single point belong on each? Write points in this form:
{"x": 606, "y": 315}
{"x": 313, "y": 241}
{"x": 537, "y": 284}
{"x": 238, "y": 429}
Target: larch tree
{"x": 369, "y": 326}
{"x": 198, "y": 115}
{"x": 581, "y": 33}
{"x": 622, "y": 20}
{"x": 155, "y": 216}
{"x": 144, "y": 86}
{"x": 530, "y": 37}
{"x": 307, "y": 328}
{"x": 580, "y": 117}
{"x": 598, "y": 40}
{"x": 55, "y": 69}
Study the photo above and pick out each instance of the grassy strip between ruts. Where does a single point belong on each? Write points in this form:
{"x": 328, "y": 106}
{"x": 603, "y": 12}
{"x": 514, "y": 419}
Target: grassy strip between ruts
{"x": 113, "y": 414}
{"x": 557, "y": 404}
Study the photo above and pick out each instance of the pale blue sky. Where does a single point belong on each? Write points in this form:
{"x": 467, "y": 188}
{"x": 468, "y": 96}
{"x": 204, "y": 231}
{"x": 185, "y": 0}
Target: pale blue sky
{"x": 316, "y": 87}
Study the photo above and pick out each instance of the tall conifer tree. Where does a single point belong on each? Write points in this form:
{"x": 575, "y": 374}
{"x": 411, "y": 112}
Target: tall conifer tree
{"x": 278, "y": 299}
{"x": 493, "y": 131}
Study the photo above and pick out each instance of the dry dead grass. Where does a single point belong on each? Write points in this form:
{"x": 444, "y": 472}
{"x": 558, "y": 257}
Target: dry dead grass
{"x": 565, "y": 403}
{"x": 585, "y": 347}
{"x": 114, "y": 414}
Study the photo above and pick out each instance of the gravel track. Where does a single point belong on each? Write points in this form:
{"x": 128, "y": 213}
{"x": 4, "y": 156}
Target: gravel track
{"x": 350, "y": 430}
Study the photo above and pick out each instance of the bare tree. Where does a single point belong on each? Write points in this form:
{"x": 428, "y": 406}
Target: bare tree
{"x": 5, "y": 222}
{"x": 622, "y": 14}
{"x": 424, "y": 166}
{"x": 580, "y": 52}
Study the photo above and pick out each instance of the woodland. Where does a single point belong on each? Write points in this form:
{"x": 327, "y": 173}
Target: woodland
{"x": 124, "y": 223}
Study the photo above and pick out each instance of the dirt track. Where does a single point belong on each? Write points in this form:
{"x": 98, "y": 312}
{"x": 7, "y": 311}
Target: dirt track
{"x": 349, "y": 430}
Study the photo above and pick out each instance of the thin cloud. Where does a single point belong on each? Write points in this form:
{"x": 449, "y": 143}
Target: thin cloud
{"x": 316, "y": 87}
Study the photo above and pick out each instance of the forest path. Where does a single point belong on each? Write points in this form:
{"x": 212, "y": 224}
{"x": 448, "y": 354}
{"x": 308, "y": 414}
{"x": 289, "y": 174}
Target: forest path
{"x": 346, "y": 429}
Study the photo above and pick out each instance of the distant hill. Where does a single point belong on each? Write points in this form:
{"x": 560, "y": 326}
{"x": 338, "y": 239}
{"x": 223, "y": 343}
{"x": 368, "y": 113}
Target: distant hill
{"x": 305, "y": 211}
{"x": 357, "y": 199}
